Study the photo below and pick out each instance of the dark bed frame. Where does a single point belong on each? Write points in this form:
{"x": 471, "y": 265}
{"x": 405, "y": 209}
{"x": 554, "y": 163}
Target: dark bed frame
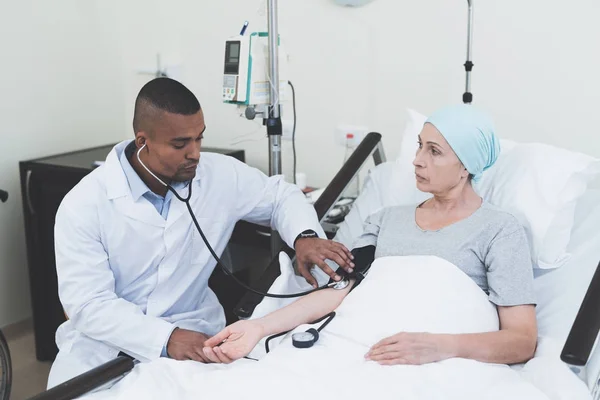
{"x": 576, "y": 351}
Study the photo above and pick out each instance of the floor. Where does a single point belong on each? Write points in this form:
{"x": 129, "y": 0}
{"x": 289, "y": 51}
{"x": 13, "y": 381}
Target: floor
{"x": 29, "y": 375}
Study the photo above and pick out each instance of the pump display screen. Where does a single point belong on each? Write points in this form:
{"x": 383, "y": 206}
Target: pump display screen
{"x": 232, "y": 58}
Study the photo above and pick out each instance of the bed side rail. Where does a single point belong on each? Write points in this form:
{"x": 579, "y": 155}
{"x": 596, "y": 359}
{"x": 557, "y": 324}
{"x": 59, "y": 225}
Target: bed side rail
{"x": 370, "y": 146}
{"x": 88, "y": 381}
{"x": 584, "y": 331}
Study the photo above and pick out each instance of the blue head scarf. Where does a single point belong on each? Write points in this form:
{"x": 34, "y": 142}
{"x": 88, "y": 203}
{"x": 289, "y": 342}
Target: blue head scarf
{"x": 470, "y": 133}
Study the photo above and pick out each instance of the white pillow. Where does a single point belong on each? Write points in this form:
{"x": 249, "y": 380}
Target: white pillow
{"x": 538, "y": 183}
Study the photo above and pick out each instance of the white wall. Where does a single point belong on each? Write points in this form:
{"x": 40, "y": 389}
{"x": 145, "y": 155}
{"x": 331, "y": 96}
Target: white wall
{"x": 70, "y": 80}
{"x": 59, "y": 91}
{"x": 536, "y": 67}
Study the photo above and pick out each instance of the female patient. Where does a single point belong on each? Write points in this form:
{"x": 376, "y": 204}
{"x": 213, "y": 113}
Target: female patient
{"x": 456, "y": 145}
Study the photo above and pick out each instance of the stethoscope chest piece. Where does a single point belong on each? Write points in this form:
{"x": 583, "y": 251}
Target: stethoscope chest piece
{"x": 304, "y": 340}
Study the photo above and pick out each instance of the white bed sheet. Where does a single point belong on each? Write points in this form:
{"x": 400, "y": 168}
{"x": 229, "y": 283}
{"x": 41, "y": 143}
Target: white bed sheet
{"x": 335, "y": 366}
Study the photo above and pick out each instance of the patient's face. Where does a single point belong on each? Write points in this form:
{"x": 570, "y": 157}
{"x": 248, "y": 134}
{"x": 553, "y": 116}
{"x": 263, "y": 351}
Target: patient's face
{"x": 437, "y": 168}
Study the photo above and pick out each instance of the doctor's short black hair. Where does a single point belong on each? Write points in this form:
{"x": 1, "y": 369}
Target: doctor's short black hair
{"x": 162, "y": 94}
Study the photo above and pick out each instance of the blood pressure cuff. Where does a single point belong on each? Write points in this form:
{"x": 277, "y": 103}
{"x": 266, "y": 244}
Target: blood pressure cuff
{"x": 363, "y": 258}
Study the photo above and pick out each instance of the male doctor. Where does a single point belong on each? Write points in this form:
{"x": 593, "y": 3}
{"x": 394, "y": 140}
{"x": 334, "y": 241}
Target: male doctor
{"x": 132, "y": 269}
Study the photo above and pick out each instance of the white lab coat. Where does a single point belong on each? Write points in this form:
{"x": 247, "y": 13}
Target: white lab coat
{"x": 127, "y": 276}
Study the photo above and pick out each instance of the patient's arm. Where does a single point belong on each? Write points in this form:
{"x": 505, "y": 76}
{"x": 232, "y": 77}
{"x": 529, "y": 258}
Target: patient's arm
{"x": 237, "y": 340}
{"x": 303, "y": 311}
{"x": 514, "y": 343}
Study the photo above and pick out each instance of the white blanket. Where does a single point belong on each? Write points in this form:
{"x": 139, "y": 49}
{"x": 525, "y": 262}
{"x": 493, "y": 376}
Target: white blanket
{"x": 411, "y": 294}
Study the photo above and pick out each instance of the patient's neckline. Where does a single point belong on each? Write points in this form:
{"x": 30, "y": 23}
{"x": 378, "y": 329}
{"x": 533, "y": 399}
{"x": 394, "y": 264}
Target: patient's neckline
{"x": 470, "y": 216}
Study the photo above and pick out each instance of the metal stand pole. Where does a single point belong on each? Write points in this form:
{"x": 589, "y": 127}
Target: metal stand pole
{"x": 468, "y": 96}
{"x": 274, "y": 128}
{"x": 273, "y": 120}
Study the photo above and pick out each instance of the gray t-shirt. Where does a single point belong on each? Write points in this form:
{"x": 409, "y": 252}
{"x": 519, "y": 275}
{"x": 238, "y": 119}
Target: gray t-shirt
{"x": 490, "y": 246}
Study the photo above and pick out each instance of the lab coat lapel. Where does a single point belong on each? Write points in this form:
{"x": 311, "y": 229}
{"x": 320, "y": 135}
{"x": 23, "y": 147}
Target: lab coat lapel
{"x": 177, "y": 207}
{"x": 142, "y": 211}
{"x": 119, "y": 193}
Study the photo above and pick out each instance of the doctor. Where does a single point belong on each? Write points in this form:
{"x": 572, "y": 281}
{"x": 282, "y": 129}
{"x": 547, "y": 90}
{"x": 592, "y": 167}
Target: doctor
{"x": 132, "y": 270}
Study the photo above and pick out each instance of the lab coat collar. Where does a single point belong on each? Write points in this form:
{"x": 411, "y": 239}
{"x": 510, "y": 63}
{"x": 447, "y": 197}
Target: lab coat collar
{"x": 119, "y": 191}
{"x": 116, "y": 180}
{"x": 136, "y": 185}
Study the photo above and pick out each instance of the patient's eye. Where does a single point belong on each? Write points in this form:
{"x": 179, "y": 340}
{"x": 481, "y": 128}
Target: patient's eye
{"x": 420, "y": 144}
{"x": 435, "y": 152}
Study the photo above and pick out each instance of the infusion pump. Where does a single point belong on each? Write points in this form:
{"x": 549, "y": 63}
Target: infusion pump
{"x": 246, "y": 72}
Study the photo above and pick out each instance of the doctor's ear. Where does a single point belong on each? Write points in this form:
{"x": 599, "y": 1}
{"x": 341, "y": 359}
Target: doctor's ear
{"x": 140, "y": 140}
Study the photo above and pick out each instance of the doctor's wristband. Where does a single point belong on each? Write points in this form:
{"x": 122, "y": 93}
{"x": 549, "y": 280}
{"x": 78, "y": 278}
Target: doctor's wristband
{"x": 309, "y": 233}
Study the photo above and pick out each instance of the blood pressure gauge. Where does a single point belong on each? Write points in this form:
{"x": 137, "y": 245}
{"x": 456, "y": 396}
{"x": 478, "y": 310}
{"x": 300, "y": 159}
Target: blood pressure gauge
{"x": 304, "y": 340}
{"x": 343, "y": 284}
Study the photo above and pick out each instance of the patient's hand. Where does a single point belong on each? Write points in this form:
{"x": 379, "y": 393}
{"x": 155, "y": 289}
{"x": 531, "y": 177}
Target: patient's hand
{"x": 233, "y": 342}
{"x": 409, "y": 349}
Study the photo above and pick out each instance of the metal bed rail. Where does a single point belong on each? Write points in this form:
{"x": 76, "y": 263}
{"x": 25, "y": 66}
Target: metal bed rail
{"x": 584, "y": 332}
{"x": 88, "y": 381}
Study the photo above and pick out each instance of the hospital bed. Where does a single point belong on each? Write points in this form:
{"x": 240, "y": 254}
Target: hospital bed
{"x": 568, "y": 315}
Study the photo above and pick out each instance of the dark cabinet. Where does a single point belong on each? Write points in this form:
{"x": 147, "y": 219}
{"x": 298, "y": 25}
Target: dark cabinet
{"x": 45, "y": 182}
{"x": 44, "y": 190}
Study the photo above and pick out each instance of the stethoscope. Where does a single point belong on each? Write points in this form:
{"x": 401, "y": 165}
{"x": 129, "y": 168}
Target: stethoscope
{"x": 342, "y": 284}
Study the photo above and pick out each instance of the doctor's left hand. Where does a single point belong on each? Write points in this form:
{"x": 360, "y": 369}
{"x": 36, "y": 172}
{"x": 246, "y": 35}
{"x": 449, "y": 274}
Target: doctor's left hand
{"x": 184, "y": 344}
{"x": 311, "y": 251}
{"x": 234, "y": 342}
{"x": 409, "y": 349}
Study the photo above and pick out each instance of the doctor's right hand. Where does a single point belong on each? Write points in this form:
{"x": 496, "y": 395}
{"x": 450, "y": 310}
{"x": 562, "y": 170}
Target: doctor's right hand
{"x": 187, "y": 345}
{"x": 234, "y": 342}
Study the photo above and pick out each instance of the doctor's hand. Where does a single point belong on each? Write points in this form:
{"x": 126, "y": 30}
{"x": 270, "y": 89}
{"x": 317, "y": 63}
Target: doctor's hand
{"x": 409, "y": 349}
{"x": 233, "y": 342}
{"x": 311, "y": 251}
{"x": 187, "y": 345}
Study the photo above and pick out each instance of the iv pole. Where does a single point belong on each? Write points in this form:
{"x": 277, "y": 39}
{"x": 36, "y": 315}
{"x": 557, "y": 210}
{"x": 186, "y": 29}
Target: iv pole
{"x": 273, "y": 115}
{"x": 468, "y": 96}
{"x": 273, "y": 121}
